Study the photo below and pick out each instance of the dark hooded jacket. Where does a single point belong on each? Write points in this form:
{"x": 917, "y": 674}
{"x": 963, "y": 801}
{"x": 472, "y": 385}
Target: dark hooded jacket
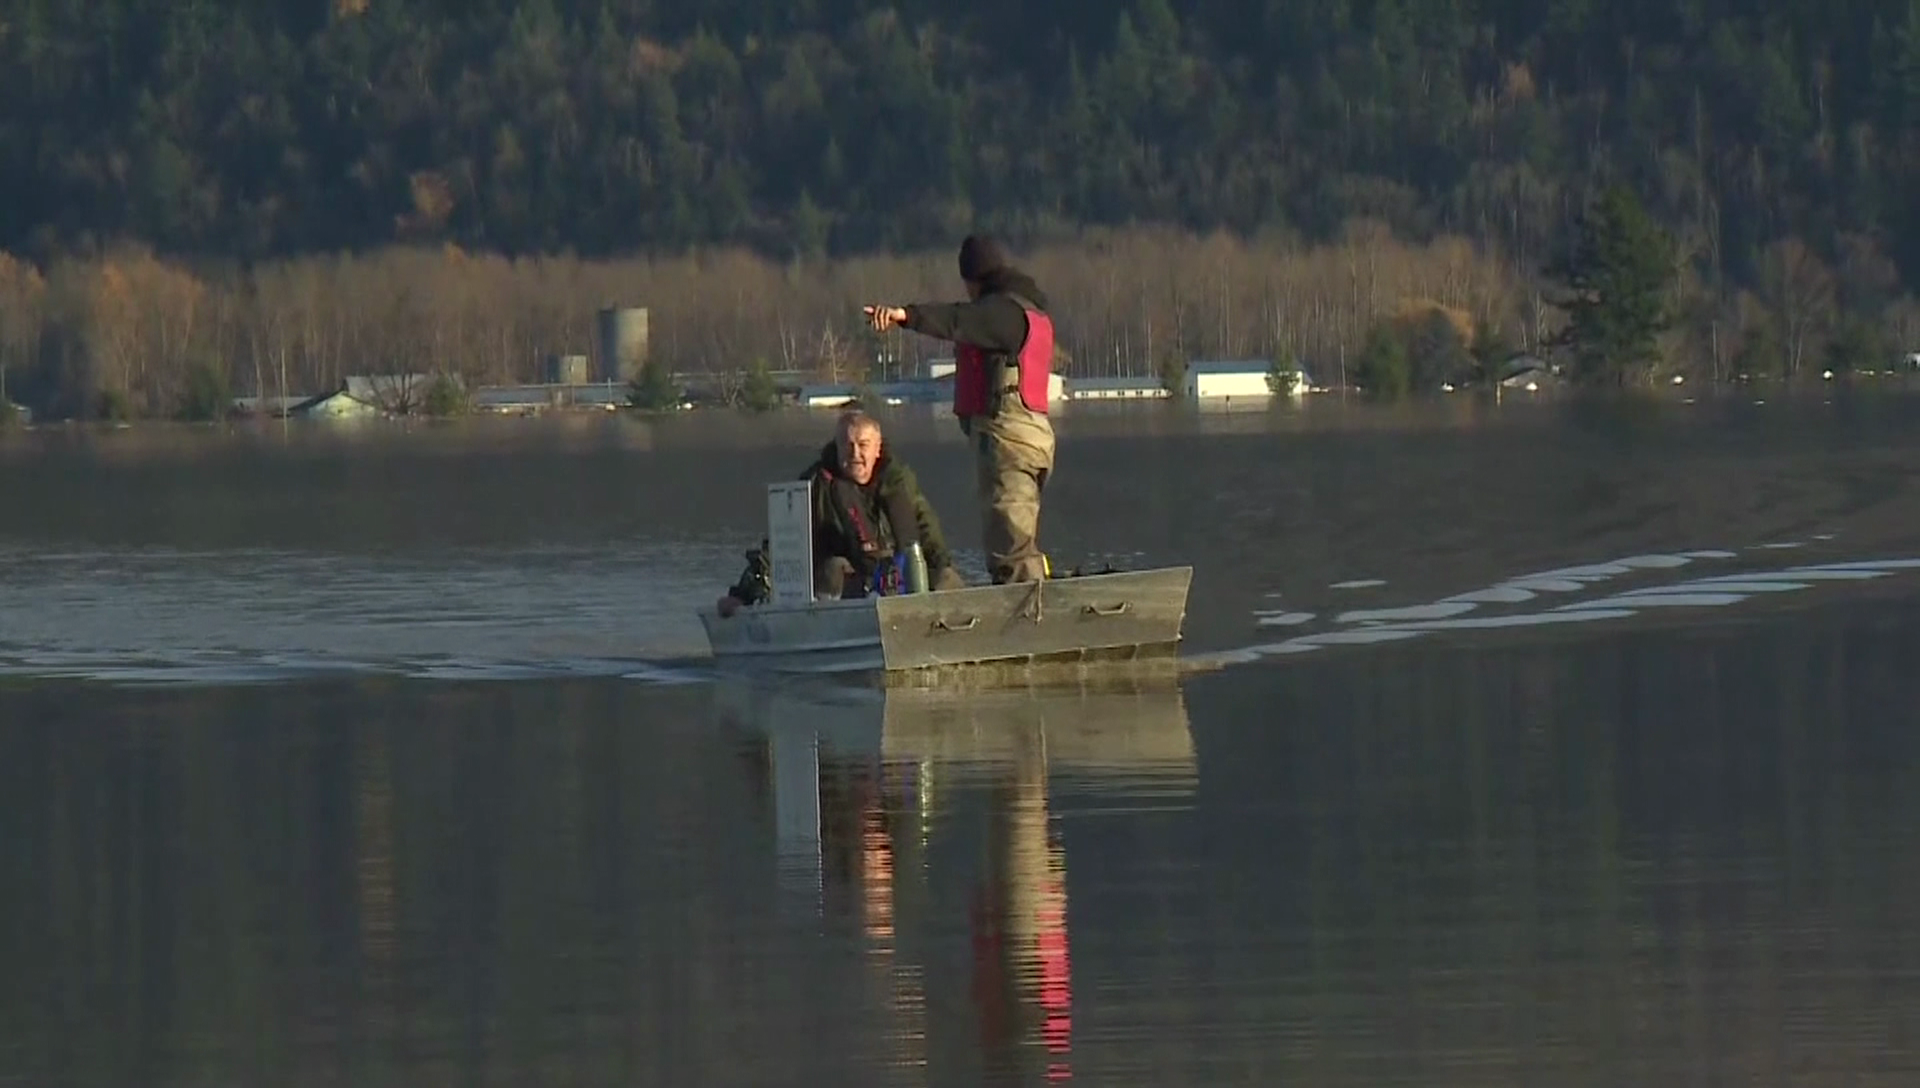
{"x": 995, "y": 322}
{"x": 862, "y": 524}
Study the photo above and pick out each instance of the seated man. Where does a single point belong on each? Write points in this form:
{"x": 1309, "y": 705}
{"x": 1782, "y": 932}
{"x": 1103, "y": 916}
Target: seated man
{"x": 867, "y": 507}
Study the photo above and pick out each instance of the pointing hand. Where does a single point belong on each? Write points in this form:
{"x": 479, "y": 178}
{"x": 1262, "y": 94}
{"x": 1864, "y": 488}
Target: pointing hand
{"x": 883, "y": 318}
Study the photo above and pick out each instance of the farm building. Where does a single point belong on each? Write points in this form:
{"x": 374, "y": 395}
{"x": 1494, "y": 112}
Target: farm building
{"x": 370, "y": 394}
{"x": 914, "y": 391}
{"x": 827, "y": 396}
{"x": 1121, "y": 388}
{"x": 1239, "y": 378}
{"x": 1527, "y": 372}
{"x": 275, "y": 406}
{"x": 607, "y": 396}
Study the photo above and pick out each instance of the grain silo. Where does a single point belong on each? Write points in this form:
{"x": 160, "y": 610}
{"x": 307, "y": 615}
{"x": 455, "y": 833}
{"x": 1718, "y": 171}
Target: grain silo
{"x": 622, "y": 343}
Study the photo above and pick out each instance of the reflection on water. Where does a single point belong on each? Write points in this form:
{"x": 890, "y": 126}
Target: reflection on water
{"x": 1664, "y": 839}
{"x": 904, "y": 745}
{"x": 1644, "y": 856}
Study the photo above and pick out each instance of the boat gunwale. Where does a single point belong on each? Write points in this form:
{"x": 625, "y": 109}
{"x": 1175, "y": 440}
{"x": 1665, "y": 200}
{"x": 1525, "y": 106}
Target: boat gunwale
{"x": 849, "y": 606}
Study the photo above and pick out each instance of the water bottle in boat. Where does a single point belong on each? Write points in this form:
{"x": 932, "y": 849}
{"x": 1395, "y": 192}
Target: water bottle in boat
{"x": 916, "y": 569}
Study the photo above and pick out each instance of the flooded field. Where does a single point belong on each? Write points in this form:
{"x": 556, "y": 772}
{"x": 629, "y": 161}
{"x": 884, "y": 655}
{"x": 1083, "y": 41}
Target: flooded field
{"x": 1546, "y": 743}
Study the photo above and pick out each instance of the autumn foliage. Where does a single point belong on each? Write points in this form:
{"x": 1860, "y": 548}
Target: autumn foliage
{"x": 133, "y": 335}
{"x": 132, "y": 328}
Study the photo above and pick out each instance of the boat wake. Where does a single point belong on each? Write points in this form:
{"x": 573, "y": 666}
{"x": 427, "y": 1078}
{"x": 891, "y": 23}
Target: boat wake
{"x": 1558, "y": 597}
{"x": 162, "y": 616}
{"x": 228, "y": 668}
{"x": 146, "y": 617}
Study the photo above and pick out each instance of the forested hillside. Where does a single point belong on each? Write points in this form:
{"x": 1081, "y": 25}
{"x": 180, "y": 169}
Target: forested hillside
{"x": 267, "y": 130}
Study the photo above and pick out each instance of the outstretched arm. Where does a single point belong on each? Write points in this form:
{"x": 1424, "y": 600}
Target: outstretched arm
{"x": 994, "y": 323}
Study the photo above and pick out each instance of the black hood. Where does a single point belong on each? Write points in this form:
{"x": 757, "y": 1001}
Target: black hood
{"x": 1012, "y": 281}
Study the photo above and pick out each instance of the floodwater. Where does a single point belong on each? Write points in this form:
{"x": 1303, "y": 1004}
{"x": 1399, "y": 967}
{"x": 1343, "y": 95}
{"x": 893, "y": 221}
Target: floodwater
{"x": 1538, "y": 744}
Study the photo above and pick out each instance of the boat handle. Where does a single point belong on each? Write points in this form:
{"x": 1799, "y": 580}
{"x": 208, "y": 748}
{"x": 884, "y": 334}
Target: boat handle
{"x": 943, "y": 625}
{"x": 1120, "y": 609}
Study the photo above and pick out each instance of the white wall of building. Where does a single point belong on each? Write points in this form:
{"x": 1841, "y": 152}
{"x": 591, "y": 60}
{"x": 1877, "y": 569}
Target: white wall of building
{"x": 1206, "y": 385}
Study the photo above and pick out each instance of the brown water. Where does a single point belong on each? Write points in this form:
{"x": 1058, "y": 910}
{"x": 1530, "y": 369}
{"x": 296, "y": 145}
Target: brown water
{"x": 1541, "y": 745}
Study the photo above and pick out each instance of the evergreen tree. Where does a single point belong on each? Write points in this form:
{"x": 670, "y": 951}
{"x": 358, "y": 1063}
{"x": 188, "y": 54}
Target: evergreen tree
{"x": 652, "y": 389}
{"x": 1384, "y": 371}
{"x": 759, "y": 393}
{"x": 221, "y": 129}
{"x": 1859, "y": 344}
{"x": 1616, "y": 278}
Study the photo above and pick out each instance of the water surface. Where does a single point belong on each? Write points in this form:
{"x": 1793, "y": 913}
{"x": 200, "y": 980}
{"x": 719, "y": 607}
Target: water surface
{"x": 586, "y": 543}
{"x": 1549, "y": 745}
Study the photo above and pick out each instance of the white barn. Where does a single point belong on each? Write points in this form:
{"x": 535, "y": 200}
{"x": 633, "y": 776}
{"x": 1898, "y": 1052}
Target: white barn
{"x": 1237, "y": 379}
{"x": 1215, "y": 379}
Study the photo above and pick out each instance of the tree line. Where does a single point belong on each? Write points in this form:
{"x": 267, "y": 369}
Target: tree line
{"x": 243, "y": 145}
{"x": 132, "y": 335}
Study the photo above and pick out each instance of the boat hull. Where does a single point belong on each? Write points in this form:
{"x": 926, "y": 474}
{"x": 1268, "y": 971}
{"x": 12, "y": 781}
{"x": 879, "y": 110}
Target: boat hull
{"x": 1125, "y": 615}
{"x": 822, "y": 636}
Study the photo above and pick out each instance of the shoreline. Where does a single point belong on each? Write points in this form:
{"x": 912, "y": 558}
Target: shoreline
{"x": 1321, "y": 411}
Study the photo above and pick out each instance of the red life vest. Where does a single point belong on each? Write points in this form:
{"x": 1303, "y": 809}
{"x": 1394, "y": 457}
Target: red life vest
{"x": 973, "y": 390}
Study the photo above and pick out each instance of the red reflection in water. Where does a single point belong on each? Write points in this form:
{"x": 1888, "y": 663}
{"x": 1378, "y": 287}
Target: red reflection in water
{"x": 1049, "y": 952}
{"x": 1056, "y": 975}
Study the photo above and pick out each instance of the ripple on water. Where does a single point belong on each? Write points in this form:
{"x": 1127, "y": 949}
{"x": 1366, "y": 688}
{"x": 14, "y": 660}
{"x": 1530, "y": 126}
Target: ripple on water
{"x": 144, "y": 615}
{"x": 1395, "y": 624}
{"x": 153, "y": 616}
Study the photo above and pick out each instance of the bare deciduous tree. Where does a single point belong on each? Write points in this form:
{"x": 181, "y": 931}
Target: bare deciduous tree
{"x": 1800, "y": 288}
{"x": 1124, "y": 301}
{"x": 23, "y": 294}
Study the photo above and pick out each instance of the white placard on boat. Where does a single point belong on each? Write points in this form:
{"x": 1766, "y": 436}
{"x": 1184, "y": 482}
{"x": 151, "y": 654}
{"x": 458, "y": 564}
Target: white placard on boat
{"x": 790, "y": 540}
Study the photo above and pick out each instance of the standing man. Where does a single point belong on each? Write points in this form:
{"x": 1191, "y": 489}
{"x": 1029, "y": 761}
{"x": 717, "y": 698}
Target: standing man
{"x": 1003, "y": 362}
